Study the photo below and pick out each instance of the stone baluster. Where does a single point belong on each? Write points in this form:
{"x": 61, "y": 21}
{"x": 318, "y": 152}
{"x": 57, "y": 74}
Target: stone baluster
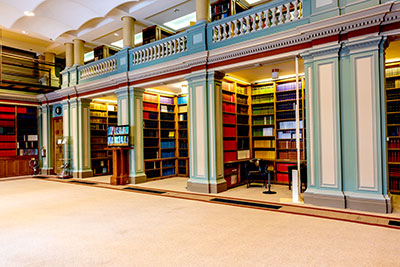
{"x": 241, "y": 29}
{"x": 260, "y": 22}
{"x": 288, "y": 17}
{"x": 296, "y": 11}
{"x": 254, "y": 24}
{"x": 248, "y": 26}
{"x": 273, "y": 19}
{"x": 236, "y": 26}
{"x": 281, "y": 17}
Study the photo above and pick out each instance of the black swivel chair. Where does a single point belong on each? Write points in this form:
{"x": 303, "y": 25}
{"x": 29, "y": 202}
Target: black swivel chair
{"x": 255, "y": 171}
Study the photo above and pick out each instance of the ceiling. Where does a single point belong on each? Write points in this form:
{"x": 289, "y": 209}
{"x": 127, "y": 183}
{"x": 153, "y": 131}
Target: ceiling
{"x": 97, "y": 22}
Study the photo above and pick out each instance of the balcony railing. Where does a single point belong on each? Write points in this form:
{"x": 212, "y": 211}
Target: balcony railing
{"x": 97, "y": 68}
{"x": 164, "y": 48}
{"x": 256, "y": 19}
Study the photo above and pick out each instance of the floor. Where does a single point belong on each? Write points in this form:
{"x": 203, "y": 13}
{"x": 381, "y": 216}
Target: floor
{"x": 254, "y": 192}
{"x": 51, "y": 223}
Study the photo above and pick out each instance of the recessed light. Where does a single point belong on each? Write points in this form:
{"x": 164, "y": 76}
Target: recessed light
{"x": 24, "y": 32}
{"x": 29, "y": 13}
{"x": 116, "y": 34}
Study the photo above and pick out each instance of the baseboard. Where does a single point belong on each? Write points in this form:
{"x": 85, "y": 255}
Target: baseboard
{"x": 333, "y": 201}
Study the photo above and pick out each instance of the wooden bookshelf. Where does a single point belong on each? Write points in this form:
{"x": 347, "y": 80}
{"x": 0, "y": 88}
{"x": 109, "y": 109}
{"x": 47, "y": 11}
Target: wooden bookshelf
{"x": 393, "y": 125}
{"x": 236, "y": 129}
{"x": 102, "y": 115}
{"x": 224, "y": 8}
{"x": 285, "y": 104}
{"x": 18, "y": 139}
{"x": 182, "y": 136}
{"x": 154, "y": 33}
{"x": 160, "y": 128}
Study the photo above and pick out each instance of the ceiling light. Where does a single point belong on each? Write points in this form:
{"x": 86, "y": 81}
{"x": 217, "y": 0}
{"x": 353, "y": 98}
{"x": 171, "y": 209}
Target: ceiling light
{"x": 24, "y": 32}
{"x": 181, "y": 22}
{"x": 29, "y": 13}
{"x": 116, "y": 34}
{"x": 252, "y": 1}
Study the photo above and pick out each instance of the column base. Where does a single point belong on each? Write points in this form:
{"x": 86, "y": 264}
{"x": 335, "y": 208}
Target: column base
{"x": 207, "y": 188}
{"x": 381, "y": 204}
{"x": 137, "y": 179}
{"x": 334, "y": 200}
{"x": 82, "y": 174}
{"x": 47, "y": 171}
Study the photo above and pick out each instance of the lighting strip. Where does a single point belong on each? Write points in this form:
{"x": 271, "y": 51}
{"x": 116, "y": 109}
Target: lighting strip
{"x": 151, "y": 90}
{"x": 105, "y": 101}
{"x": 280, "y": 78}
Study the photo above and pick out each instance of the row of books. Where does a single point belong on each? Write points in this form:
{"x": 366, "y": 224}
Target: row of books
{"x": 264, "y": 143}
{"x": 98, "y": 106}
{"x": 291, "y": 155}
{"x": 243, "y": 154}
{"x": 99, "y": 127}
{"x": 287, "y": 86}
{"x": 263, "y": 110}
{"x": 266, "y": 131}
{"x": 291, "y": 134}
{"x": 150, "y": 107}
{"x": 150, "y": 97}
{"x": 394, "y": 156}
{"x": 167, "y": 154}
{"x": 287, "y": 96}
{"x": 28, "y": 152}
{"x": 7, "y": 116}
{"x": 393, "y": 119}
{"x": 99, "y": 154}
{"x": 230, "y": 145}
{"x": 393, "y": 83}
{"x": 167, "y": 144}
{"x": 30, "y": 144}
{"x": 167, "y": 124}
{"x": 392, "y": 72}
{"x": 118, "y": 130}
{"x": 228, "y": 97}
{"x": 150, "y": 133}
{"x": 241, "y": 100}
{"x": 260, "y": 99}
{"x": 268, "y": 155}
{"x": 220, "y": 8}
{"x": 8, "y": 145}
{"x": 264, "y": 120}
{"x": 289, "y": 124}
{"x": 7, "y": 138}
{"x": 266, "y": 89}
{"x": 393, "y": 95}
{"x": 166, "y": 100}
{"x": 241, "y": 89}
{"x": 98, "y": 120}
{"x": 242, "y": 118}
{"x": 183, "y": 144}
{"x": 167, "y": 134}
{"x": 242, "y": 109}
{"x": 167, "y": 116}
{"x": 228, "y": 118}
{"x": 394, "y": 143}
{"x": 393, "y": 106}
{"x": 183, "y": 153}
{"x": 182, "y": 117}
{"x": 98, "y": 140}
{"x": 98, "y": 146}
{"x": 287, "y": 115}
{"x": 150, "y": 115}
{"x": 8, "y": 153}
{"x": 394, "y": 171}
{"x": 165, "y": 108}
{"x": 168, "y": 172}
{"x": 168, "y": 163}
{"x": 182, "y": 100}
{"x": 182, "y": 109}
{"x": 7, "y": 123}
{"x": 229, "y": 131}
{"x": 394, "y": 131}
{"x": 7, "y": 109}
{"x": 394, "y": 184}
{"x": 228, "y": 86}
{"x": 7, "y": 130}
{"x": 286, "y": 105}
{"x": 230, "y": 156}
{"x": 98, "y": 114}
{"x": 227, "y": 107}
{"x": 288, "y": 144}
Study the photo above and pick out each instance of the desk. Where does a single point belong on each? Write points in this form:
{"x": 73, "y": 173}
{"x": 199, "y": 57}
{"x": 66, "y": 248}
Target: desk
{"x": 120, "y": 157}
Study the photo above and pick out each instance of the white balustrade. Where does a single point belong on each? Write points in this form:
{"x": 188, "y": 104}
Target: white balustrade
{"x": 106, "y": 66}
{"x": 270, "y": 17}
{"x": 160, "y": 50}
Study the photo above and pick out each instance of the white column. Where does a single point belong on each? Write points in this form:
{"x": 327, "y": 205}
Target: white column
{"x": 69, "y": 55}
{"x": 78, "y": 52}
{"x": 128, "y": 31}
{"x": 202, "y": 11}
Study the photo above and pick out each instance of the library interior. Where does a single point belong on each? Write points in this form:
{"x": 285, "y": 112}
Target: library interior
{"x": 276, "y": 101}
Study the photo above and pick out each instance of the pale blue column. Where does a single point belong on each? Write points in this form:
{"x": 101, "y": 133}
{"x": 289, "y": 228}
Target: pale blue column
{"x": 74, "y": 133}
{"x": 324, "y": 157}
{"x": 67, "y": 129}
{"x": 205, "y": 133}
{"x": 46, "y": 137}
{"x": 363, "y": 125}
{"x": 130, "y": 112}
{"x": 84, "y": 159}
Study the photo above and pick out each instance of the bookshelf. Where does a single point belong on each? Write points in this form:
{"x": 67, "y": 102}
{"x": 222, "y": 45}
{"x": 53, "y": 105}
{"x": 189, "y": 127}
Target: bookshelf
{"x": 286, "y": 152}
{"x": 154, "y": 33}
{"x": 224, "y": 8}
{"x": 102, "y": 115}
{"x": 236, "y": 129}
{"x": 160, "y": 127}
{"x": 18, "y": 139}
{"x": 393, "y": 125}
{"x": 182, "y": 136}
{"x": 263, "y": 120}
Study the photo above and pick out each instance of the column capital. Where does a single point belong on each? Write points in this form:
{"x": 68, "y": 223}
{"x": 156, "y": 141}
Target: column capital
{"x": 84, "y": 101}
{"x": 121, "y": 92}
{"x": 215, "y": 75}
{"x": 128, "y": 17}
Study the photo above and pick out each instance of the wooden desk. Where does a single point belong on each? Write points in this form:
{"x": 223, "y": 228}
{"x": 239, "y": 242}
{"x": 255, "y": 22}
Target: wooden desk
{"x": 120, "y": 157}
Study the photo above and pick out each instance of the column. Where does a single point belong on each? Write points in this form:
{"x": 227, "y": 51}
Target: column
{"x": 324, "y": 157}
{"x": 128, "y": 31}
{"x": 78, "y": 52}
{"x": 74, "y": 133}
{"x": 202, "y": 11}
{"x": 130, "y": 112}
{"x": 50, "y": 59}
{"x": 84, "y": 162}
{"x": 67, "y": 129}
{"x": 47, "y": 160}
{"x": 363, "y": 125}
{"x": 69, "y": 55}
{"x": 205, "y": 133}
